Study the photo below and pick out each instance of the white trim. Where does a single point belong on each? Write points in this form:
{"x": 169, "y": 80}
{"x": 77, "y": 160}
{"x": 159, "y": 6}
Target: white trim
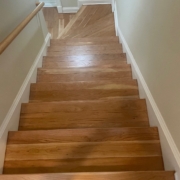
{"x": 171, "y": 154}
{"x": 113, "y": 5}
{"x": 50, "y": 5}
{"x": 115, "y": 17}
{"x": 59, "y": 6}
{"x": 31, "y": 77}
{"x": 70, "y": 9}
{"x": 60, "y": 9}
{"x": 93, "y": 2}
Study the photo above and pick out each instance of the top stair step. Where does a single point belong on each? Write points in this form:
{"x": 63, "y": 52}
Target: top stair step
{"x": 86, "y": 16}
{"x": 102, "y": 28}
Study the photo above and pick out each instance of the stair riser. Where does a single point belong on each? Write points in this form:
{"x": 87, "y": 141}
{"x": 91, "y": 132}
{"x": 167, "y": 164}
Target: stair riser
{"x": 70, "y": 95}
{"x": 108, "y": 106}
{"x": 96, "y": 76}
{"x": 84, "y": 48}
{"x": 84, "y": 165}
{"x": 38, "y": 124}
{"x": 50, "y": 64}
{"x": 83, "y": 135}
{"x": 84, "y": 58}
{"x": 93, "y": 85}
{"x": 78, "y": 53}
{"x": 82, "y": 150}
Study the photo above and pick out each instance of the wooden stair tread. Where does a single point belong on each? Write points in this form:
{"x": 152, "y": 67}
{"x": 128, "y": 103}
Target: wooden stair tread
{"x": 83, "y": 135}
{"x": 105, "y": 10}
{"x": 56, "y": 123}
{"x": 91, "y": 48}
{"x": 110, "y": 105}
{"x": 79, "y": 50}
{"x": 82, "y": 150}
{"x": 90, "y": 11}
{"x": 82, "y": 17}
{"x": 91, "y": 90}
{"x": 83, "y": 74}
{"x": 84, "y": 165}
{"x": 79, "y": 85}
{"x": 85, "y": 41}
{"x": 86, "y": 16}
{"x": 73, "y": 20}
{"x": 84, "y": 69}
{"x": 84, "y": 114}
{"x": 100, "y": 25}
{"x": 55, "y": 21}
{"x": 52, "y": 63}
{"x": 94, "y": 57}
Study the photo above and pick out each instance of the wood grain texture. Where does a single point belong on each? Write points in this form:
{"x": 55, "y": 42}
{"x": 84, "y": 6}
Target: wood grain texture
{"x": 110, "y": 105}
{"x": 91, "y": 91}
{"x": 82, "y": 50}
{"x": 83, "y": 135}
{"x": 94, "y": 57}
{"x": 112, "y": 40}
{"x": 105, "y": 26}
{"x": 52, "y": 63}
{"x": 84, "y": 114}
{"x": 85, "y": 48}
{"x": 82, "y": 150}
{"x": 88, "y": 15}
{"x": 56, "y": 22}
{"x": 155, "y": 175}
{"x": 84, "y": 165}
{"x": 45, "y": 121}
{"x": 72, "y": 22}
{"x": 82, "y": 74}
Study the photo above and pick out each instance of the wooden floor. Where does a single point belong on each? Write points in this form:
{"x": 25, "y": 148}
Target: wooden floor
{"x": 55, "y": 21}
{"x": 85, "y": 119}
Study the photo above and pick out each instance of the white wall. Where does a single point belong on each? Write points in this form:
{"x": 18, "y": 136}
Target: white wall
{"x": 17, "y": 60}
{"x": 69, "y": 3}
{"x": 151, "y": 30}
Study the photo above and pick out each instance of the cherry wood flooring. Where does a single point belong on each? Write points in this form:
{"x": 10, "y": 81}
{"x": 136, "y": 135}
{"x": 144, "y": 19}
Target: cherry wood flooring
{"x": 84, "y": 119}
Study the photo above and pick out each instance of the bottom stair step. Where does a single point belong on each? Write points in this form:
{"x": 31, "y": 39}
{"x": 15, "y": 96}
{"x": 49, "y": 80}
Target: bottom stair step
{"x": 161, "y": 175}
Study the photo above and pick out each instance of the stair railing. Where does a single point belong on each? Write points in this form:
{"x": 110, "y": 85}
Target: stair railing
{"x": 7, "y": 41}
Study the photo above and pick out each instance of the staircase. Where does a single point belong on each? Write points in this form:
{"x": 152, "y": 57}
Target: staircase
{"x": 85, "y": 120}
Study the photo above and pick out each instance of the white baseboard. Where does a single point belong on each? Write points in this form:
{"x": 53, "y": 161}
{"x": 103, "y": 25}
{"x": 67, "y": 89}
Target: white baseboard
{"x": 11, "y": 120}
{"x": 70, "y": 9}
{"x": 93, "y": 2}
{"x": 50, "y": 5}
{"x": 171, "y": 155}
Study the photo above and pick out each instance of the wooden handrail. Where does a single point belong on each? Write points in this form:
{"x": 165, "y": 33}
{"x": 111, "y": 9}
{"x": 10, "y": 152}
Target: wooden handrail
{"x": 7, "y": 41}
